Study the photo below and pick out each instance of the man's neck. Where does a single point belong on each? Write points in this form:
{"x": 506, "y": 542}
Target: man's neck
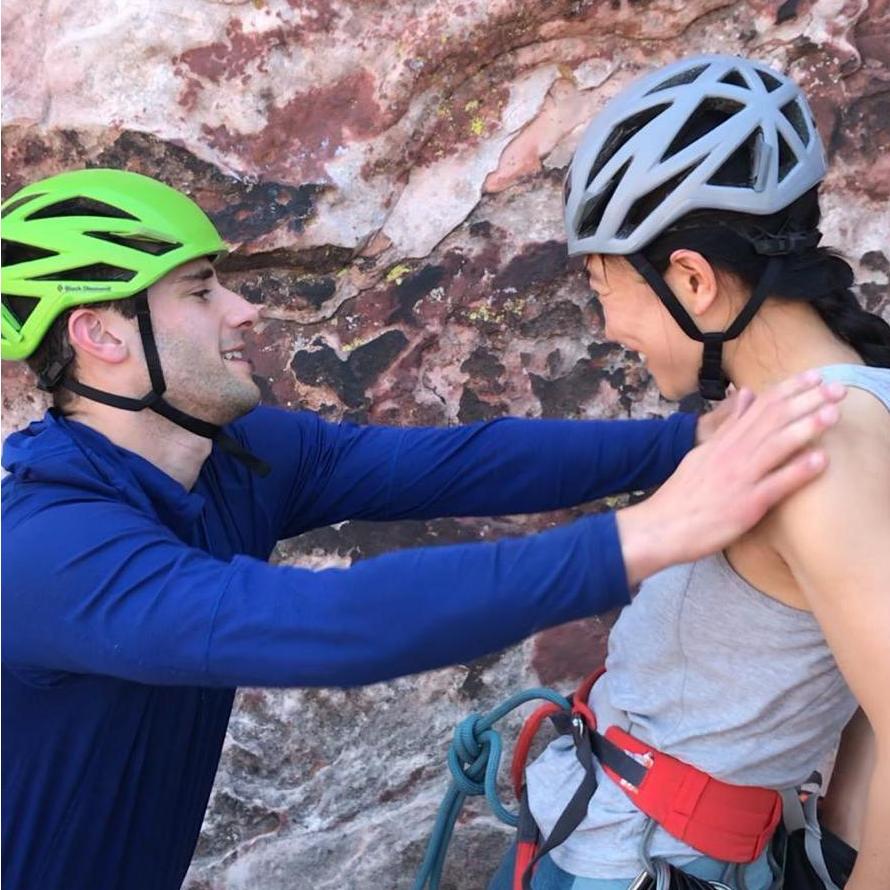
{"x": 783, "y": 339}
{"x": 177, "y": 452}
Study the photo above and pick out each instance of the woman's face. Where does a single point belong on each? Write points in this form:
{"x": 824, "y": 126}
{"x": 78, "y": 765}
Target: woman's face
{"x": 638, "y": 320}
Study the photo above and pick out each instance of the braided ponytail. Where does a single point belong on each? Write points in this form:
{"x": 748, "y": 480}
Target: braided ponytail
{"x": 838, "y": 307}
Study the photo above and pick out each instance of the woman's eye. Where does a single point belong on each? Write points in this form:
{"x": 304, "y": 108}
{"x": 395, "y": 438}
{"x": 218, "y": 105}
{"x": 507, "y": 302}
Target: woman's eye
{"x": 201, "y": 293}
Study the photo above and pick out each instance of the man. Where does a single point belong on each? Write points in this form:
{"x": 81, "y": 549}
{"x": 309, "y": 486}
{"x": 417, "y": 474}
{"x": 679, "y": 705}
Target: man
{"x": 136, "y": 529}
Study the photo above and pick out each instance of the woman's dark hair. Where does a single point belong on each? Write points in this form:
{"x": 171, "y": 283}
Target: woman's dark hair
{"x": 815, "y": 275}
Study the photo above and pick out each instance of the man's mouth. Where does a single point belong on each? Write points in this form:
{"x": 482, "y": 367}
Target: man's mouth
{"x": 235, "y": 355}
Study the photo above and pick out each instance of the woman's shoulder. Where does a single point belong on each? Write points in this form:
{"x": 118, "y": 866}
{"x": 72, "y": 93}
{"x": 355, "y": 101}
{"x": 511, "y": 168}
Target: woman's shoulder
{"x": 853, "y": 493}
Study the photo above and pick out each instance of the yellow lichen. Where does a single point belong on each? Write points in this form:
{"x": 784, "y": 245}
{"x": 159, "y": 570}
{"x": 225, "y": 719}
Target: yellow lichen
{"x": 397, "y": 273}
{"x": 477, "y": 126}
{"x": 472, "y": 105}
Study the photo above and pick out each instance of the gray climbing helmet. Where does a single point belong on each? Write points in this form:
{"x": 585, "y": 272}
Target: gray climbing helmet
{"x": 644, "y": 162}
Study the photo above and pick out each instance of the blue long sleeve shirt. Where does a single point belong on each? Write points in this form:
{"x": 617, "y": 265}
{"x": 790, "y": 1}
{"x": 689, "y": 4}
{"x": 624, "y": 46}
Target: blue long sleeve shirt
{"x": 132, "y": 608}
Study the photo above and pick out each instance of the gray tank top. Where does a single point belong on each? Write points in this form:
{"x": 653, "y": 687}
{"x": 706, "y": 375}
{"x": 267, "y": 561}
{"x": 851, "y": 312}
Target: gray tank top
{"x": 707, "y": 668}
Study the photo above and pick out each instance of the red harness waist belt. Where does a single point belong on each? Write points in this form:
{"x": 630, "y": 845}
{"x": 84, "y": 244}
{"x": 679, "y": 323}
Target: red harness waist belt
{"x": 733, "y": 823}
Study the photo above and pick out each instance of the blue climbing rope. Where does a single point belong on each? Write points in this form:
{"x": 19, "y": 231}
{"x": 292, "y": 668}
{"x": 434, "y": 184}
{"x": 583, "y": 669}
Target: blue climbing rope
{"x": 474, "y": 759}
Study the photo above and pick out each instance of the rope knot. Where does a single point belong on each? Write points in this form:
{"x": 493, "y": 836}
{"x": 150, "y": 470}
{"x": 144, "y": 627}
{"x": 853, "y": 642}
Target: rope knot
{"x": 469, "y": 754}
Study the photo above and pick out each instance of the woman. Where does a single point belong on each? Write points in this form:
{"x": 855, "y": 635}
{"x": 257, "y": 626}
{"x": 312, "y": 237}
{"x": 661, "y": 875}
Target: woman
{"x": 693, "y": 198}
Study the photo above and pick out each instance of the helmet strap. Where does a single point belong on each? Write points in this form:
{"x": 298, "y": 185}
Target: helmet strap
{"x": 155, "y": 400}
{"x": 712, "y": 381}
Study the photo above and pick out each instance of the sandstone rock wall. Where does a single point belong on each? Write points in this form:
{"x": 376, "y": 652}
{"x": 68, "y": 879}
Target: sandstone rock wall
{"x": 389, "y": 175}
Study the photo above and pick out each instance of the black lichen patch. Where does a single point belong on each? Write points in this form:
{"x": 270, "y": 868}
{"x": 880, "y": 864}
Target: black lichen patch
{"x": 787, "y": 11}
{"x": 368, "y": 361}
{"x": 562, "y": 319}
{"x": 564, "y": 396}
{"x": 473, "y": 409}
{"x": 349, "y": 378}
{"x": 876, "y": 261}
{"x": 537, "y": 265}
{"x": 413, "y": 289}
{"x": 264, "y": 207}
{"x": 481, "y": 229}
{"x": 483, "y": 365}
{"x": 315, "y": 290}
{"x": 242, "y": 211}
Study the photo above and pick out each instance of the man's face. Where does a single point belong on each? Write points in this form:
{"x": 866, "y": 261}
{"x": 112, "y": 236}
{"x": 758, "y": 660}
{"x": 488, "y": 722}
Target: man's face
{"x": 199, "y": 328}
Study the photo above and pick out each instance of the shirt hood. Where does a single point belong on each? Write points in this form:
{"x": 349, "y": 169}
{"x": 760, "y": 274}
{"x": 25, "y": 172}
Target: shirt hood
{"x": 60, "y": 451}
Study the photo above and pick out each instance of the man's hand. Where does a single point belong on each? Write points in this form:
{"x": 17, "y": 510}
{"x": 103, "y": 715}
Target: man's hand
{"x": 735, "y": 404}
{"x": 758, "y": 455}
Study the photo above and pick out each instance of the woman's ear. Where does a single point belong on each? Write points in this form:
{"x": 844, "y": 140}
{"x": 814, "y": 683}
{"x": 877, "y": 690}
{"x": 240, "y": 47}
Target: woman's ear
{"x": 99, "y": 333}
{"x": 692, "y": 278}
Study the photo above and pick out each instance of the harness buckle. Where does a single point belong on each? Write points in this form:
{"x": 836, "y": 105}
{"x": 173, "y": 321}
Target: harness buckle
{"x": 643, "y": 881}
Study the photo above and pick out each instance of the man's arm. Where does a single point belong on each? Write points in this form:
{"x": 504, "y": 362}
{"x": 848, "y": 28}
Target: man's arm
{"x": 339, "y": 471}
{"x": 95, "y": 586}
{"x": 98, "y": 587}
{"x": 834, "y": 536}
{"x": 342, "y": 471}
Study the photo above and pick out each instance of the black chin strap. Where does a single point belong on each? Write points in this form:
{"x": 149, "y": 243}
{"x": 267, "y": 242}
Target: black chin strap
{"x": 712, "y": 381}
{"x": 155, "y": 400}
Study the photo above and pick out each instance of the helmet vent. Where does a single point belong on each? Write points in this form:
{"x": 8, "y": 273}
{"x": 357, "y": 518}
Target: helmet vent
{"x": 794, "y": 115}
{"x": 687, "y": 76}
{"x": 96, "y": 272}
{"x": 14, "y": 252}
{"x": 733, "y": 78}
{"x": 80, "y": 207}
{"x": 787, "y": 158}
{"x": 737, "y": 171}
{"x": 771, "y": 83}
{"x": 710, "y": 114}
{"x": 644, "y": 207}
{"x": 14, "y": 205}
{"x": 621, "y": 134}
{"x": 21, "y": 307}
{"x": 596, "y": 206}
{"x": 144, "y": 245}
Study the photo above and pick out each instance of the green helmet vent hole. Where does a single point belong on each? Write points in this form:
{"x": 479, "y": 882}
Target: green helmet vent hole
{"x": 794, "y": 115}
{"x": 710, "y": 114}
{"x": 737, "y": 171}
{"x": 619, "y": 137}
{"x": 684, "y": 77}
{"x": 21, "y": 307}
{"x": 144, "y": 245}
{"x": 596, "y": 206}
{"x": 14, "y": 252}
{"x": 96, "y": 272}
{"x": 733, "y": 78}
{"x": 14, "y": 205}
{"x": 644, "y": 207}
{"x": 80, "y": 207}
{"x": 769, "y": 81}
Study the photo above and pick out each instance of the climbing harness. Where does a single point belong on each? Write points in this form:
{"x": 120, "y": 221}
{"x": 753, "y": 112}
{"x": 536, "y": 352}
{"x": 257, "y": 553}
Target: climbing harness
{"x": 731, "y": 823}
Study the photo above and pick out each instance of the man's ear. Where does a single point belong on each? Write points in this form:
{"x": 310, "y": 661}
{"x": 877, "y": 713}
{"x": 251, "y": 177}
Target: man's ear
{"x": 101, "y": 333}
{"x": 693, "y": 280}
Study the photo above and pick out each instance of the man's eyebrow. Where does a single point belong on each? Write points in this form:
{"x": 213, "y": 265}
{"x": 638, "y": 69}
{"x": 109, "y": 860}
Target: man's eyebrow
{"x": 200, "y": 275}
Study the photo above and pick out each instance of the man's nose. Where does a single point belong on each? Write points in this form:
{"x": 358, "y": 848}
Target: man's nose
{"x": 241, "y": 312}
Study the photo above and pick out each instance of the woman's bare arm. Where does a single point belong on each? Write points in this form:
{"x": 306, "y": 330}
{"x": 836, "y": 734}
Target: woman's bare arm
{"x": 844, "y": 806}
{"x": 835, "y": 537}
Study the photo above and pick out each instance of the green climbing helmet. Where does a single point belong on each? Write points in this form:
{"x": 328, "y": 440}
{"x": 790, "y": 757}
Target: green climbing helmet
{"x": 91, "y": 236}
